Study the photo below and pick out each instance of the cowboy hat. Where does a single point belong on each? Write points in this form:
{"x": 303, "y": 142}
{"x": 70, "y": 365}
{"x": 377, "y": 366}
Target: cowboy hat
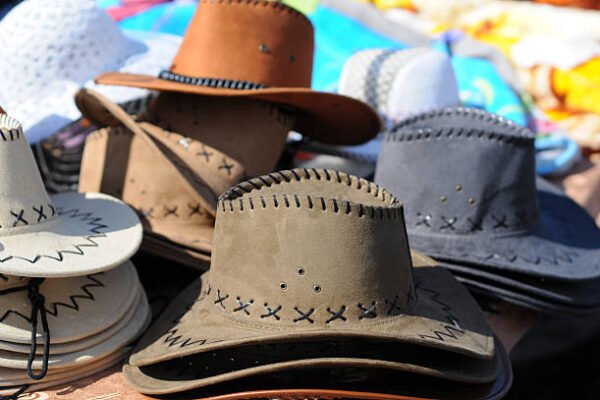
{"x": 309, "y": 269}
{"x": 67, "y": 234}
{"x": 468, "y": 180}
{"x": 56, "y": 47}
{"x": 274, "y": 44}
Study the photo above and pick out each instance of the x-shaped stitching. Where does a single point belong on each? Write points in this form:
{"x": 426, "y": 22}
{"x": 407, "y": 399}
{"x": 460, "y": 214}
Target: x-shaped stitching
{"x": 425, "y": 220}
{"x": 500, "y": 222}
{"x": 19, "y": 218}
{"x": 221, "y": 299}
{"x": 336, "y": 314}
{"x": 304, "y": 315}
{"x": 476, "y": 225}
{"x": 194, "y": 210}
{"x": 368, "y": 312}
{"x": 521, "y": 218}
{"x": 448, "y": 223}
{"x": 243, "y": 306}
{"x": 171, "y": 211}
{"x": 205, "y": 153}
{"x": 226, "y": 166}
{"x": 393, "y": 305}
{"x": 272, "y": 312}
{"x": 40, "y": 212}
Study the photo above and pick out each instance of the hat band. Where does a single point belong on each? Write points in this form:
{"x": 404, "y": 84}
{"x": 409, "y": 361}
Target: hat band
{"x": 211, "y": 82}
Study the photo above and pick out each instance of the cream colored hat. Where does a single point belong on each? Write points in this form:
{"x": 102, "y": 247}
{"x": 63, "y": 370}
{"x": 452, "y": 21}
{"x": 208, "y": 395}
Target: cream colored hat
{"x": 89, "y": 320}
{"x": 68, "y": 234}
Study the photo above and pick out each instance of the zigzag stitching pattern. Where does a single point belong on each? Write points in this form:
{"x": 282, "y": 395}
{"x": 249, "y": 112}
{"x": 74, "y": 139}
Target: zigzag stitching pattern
{"x": 79, "y": 248}
{"x": 73, "y": 305}
{"x": 173, "y": 340}
{"x": 449, "y": 330}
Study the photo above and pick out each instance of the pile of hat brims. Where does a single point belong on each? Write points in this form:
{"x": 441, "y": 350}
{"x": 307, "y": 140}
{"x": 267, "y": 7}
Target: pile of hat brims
{"x": 70, "y": 300}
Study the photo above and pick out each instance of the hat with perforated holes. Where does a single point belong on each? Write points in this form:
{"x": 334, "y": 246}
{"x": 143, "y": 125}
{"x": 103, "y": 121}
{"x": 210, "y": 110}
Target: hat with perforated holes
{"x": 467, "y": 179}
{"x": 52, "y": 48}
{"x": 309, "y": 269}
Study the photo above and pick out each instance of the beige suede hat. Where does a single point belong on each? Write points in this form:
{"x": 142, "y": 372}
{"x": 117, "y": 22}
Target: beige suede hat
{"x": 172, "y": 163}
{"x": 83, "y": 322}
{"x": 311, "y": 268}
{"x": 68, "y": 234}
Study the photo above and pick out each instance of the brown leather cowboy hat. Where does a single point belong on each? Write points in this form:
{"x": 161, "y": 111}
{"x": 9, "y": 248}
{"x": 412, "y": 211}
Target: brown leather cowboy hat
{"x": 262, "y": 50}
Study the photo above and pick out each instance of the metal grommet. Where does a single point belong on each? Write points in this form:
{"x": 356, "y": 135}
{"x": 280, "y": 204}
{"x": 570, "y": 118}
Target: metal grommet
{"x": 317, "y": 288}
{"x": 301, "y": 271}
{"x": 283, "y": 285}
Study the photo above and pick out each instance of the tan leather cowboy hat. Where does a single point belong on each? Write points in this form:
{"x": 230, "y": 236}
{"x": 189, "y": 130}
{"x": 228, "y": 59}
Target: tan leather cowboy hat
{"x": 261, "y": 50}
{"x": 311, "y": 268}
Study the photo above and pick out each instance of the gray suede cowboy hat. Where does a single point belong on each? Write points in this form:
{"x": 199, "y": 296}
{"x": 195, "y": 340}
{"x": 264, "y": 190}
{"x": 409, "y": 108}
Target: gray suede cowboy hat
{"x": 311, "y": 269}
{"x": 467, "y": 178}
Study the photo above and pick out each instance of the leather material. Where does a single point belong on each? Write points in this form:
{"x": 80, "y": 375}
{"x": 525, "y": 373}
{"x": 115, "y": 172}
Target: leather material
{"x": 172, "y": 180}
{"x": 275, "y": 45}
{"x": 308, "y": 266}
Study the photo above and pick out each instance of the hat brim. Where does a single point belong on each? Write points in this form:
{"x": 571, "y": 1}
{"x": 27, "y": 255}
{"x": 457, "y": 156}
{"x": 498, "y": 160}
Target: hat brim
{"x": 347, "y": 384}
{"x": 93, "y": 233}
{"x": 157, "y": 246}
{"x": 565, "y": 245}
{"x": 444, "y": 322}
{"x": 90, "y": 304}
{"x": 84, "y": 343}
{"x": 327, "y": 117}
{"x": 579, "y": 296}
{"x": 57, "y": 362}
{"x": 60, "y": 377}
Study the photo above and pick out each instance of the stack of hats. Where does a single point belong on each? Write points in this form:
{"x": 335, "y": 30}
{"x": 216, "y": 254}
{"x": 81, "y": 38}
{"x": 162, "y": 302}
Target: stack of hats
{"x": 213, "y": 124}
{"x": 311, "y": 271}
{"x": 70, "y": 299}
{"x": 474, "y": 203}
{"x": 398, "y": 84}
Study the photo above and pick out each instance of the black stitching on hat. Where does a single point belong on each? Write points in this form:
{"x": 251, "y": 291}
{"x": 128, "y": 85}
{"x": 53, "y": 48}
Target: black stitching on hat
{"x": 171, "y": 211}
{"x": 194, "y": 210}
{"x": 19, "y": 218}
{"x": 393, "y": 305}
{"x": 272, "y": 312}
{"x": 368, "y": 312}
{"x": 500, "y": 221}
{"x": 336, "y": 314}
{"x": 304, "y": 316}
{"x": 220, "y": 299}
{"x": 243, "y": 306}
{"x": 211, "y": 82}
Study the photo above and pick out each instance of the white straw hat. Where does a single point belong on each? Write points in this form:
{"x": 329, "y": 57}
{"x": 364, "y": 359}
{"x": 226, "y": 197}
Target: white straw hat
{"x": 68, "y": 234}
{"x": 52, "y": 48}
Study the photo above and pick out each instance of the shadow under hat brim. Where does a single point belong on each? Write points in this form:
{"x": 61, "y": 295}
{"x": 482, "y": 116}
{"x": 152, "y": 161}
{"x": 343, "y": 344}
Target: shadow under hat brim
{"x": 327, "y": 117}
{"x": 92, "y": 233}
{"x": 355, "y": 384}
{"x": 565, "y": 245}
{"x": 444, "y": 320}
{"x": 573, "y": 297}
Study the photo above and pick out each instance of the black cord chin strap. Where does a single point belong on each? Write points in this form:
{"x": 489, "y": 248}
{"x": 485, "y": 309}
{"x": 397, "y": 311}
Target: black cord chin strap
{"x": 38, "y": 310}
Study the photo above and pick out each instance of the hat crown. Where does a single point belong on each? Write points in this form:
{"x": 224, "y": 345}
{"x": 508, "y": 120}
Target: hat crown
{"x": 461, "y": 171}
{"x": 285, "y": 255}
{"x": 58, "y": 40}
{"x": 272, "y": 41}
{"x": 400, "y": 83}
{"x": 25, "y": 201}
